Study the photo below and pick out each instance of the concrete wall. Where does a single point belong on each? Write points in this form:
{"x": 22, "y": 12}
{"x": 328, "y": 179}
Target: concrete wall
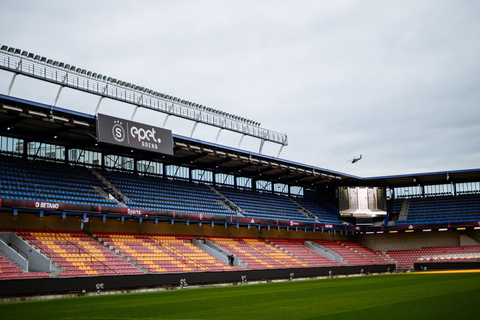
{"x": 29, "y": 258}
{"x": 409, "y": 240}
{"x": 32, "y": 221}
{"x": 36, "y": 260}
{"x": 64, "y": 285}
{"x": 11, "y": 254}
{"x": 467, "y": 241}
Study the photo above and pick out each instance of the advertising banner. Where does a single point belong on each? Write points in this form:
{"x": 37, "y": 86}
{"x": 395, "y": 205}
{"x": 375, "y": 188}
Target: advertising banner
{"x": 134, "y": 134}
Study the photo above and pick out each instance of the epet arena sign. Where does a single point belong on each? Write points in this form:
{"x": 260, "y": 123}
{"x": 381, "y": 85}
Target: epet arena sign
{"x": 133, "y": 134}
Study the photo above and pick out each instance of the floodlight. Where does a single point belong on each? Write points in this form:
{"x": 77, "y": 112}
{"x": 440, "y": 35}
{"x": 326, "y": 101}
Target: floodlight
{"x": 49, "y": 61}
{"x": 73, "y": 68}
{"x": 11, "y": 50}
{"x": 78, "y": 70}
{"x": 43, "y": 59}
{"x": 104, "y": 78}
{"x": 37, "y": 57}
{"x": 18, "y": 51}
{"x": 55, "y": 63}
{"x": 89, "y": 73}
{"x": 109, "y": 79}
{"x": 4, "y": 48}
{"x": 31, "y": 55}
{"x": 24, "y": 53}
{"x": 67, "y": 66}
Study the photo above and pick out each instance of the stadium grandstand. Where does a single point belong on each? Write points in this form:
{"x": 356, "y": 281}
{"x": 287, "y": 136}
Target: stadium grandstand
{"x": 91, "y": 201}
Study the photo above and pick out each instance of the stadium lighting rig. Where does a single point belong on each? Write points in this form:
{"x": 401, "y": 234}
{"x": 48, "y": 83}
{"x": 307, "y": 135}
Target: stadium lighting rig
{"x": 63, "y": 74}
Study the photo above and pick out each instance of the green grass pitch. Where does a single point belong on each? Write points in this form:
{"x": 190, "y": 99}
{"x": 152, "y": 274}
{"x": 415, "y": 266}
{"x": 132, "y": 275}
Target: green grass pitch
{"x": 395, "y": 296}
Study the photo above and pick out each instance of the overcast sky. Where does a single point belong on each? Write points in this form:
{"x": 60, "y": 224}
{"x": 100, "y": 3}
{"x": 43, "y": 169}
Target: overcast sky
{"x": 395, "y": 81}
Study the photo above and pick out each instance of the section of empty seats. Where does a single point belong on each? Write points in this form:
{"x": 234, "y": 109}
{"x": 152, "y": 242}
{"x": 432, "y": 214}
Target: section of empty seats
{"x": 77, "y": 254}
{"x": 463, "y": 208}
{"x": 265, "y": 205}
{"x": 349, "y": 256}
{"x": 377, "y": 257}
{"x": 48, "y": 181}
{"x": 297, "y": 249}
{"x": 8, "y": 270}
{"x": 406, "y": 258}
{"x": 255, "y": 253}
{"x": 155, "y": 193}
{"x": 321, "y": 213}
{"x": 158, "y": 253}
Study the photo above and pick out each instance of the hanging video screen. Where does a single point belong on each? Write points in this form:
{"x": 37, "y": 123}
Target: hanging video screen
{"x": 362, "y": 201}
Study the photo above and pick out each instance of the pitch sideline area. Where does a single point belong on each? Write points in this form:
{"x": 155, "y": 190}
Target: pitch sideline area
{"x": 396, "y": 296}
{"x": 448, "y": 271}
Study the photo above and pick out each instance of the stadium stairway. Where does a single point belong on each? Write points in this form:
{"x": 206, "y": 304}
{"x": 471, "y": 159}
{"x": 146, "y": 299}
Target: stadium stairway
{"x": 256, "y": 253}
{"x": 116, "y": 194}
{"x": 366, "y": 252}
{"x": 348, "y": 255}
{"x": 155, "y": 193}
{"x": 297, "y": 249}
{"x": 230, "y": 205}
{"x": 76, "y": 253}
{"x": 159, "y": 253}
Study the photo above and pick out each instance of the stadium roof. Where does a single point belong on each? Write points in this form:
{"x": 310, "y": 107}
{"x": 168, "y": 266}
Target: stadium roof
{"x": 38, "y": 122}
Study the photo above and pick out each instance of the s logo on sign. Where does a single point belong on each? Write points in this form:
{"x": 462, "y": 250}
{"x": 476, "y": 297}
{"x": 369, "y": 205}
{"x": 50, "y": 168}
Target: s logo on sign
{"x": 118, "y": 131}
